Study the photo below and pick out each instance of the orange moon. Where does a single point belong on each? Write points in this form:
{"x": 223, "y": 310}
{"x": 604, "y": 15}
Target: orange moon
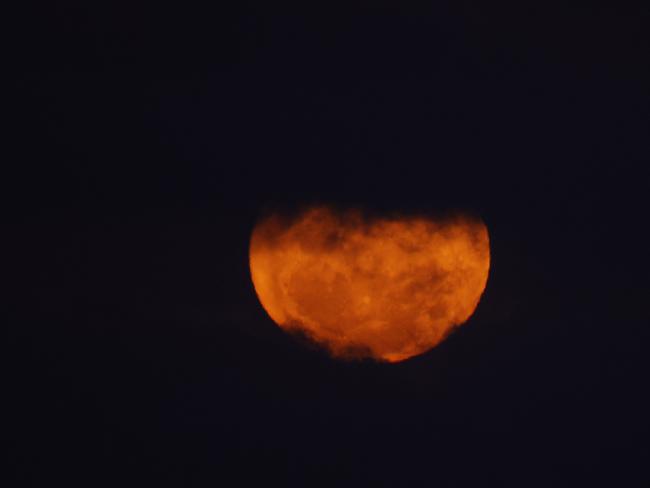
{"x": 382, "y": 288}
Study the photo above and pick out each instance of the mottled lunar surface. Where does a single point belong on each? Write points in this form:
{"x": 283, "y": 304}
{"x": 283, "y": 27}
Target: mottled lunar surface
{"x": 386, "y": 288}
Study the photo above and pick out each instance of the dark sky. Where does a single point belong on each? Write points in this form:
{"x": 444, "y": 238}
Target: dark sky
{"x": 149, "y": 140}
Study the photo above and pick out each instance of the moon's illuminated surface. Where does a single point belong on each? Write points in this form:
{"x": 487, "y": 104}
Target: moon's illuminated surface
{"x": 386, "y": 288}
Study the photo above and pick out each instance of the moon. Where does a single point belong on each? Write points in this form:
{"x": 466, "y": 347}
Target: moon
{"x": 383, "y": 288}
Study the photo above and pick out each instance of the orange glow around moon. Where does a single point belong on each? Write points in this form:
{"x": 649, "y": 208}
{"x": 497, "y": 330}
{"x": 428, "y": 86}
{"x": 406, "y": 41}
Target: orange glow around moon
{"x": 386, "y": 288}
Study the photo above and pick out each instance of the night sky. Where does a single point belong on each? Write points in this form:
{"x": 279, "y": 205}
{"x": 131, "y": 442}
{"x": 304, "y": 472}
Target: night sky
{"x": 147, "y": 140}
